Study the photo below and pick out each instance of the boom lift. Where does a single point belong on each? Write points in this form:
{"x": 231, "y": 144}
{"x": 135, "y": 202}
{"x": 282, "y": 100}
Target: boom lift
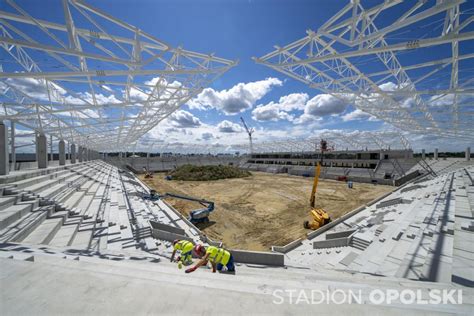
{"x": 320, "y": 216}
{"x": 195, "y": 216}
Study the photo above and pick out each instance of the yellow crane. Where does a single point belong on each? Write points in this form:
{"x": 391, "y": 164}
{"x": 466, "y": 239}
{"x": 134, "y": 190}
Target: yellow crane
{"x": 319, "y": 216}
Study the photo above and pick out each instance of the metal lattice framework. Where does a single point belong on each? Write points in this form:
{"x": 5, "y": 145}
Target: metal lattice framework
{"x": 338, "y": 140}
{"x": 89, "y": 85}
{"x": 407, "y": 63}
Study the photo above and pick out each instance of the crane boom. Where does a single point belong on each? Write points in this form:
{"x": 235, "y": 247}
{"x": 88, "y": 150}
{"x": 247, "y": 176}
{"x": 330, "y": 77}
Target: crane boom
{"x": 317, "y": 172}
{"x": 245, "y": 125}
{"x": 249, "y": 132}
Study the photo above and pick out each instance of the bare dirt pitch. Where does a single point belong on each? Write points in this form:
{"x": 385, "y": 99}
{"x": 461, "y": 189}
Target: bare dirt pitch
{"x": 264, "y": 209}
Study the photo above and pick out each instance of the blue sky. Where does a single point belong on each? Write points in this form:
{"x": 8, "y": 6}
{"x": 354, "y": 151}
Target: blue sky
{"x": 277, "y": 106}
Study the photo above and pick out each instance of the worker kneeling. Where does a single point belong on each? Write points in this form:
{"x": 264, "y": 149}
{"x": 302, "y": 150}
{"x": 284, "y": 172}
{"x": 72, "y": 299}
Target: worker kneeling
{"x": 185, "y": 249}
{"x": 218, "y": 257}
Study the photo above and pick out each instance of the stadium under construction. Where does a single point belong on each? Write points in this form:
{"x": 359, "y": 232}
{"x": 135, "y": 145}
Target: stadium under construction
{"x": 82, "y": 230}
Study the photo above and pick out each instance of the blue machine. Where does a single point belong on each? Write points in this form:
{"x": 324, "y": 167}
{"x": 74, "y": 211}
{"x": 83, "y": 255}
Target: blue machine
{"x": 196, "y": 216}
{"x": 152, "y": 196}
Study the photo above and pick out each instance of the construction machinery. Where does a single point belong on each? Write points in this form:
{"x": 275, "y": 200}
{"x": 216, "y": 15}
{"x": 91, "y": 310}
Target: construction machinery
{"x": 319, "y": 216}
{"x": 195, "y": 216}
{"x": 152, "y": 196}
{"x": 147, "y": 172}
{"x": 249, "y": 132}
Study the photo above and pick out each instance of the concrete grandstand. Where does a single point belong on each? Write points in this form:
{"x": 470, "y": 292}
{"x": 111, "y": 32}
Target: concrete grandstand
{"x": 77, "y": 235}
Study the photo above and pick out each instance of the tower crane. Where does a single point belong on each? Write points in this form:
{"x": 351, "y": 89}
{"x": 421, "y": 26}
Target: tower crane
{"x": 249, "y": 132}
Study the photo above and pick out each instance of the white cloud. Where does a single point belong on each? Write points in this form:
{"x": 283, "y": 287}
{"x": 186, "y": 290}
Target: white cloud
{"x": 270, "y": 113}
{"x": 229, "y": 127}
{"x": 207, "y": 136}
{"x": 237, "y": 99}
{"x": 279, "y": 111}
{"x": 358, "y": 115}
{"x": 324, "y": 104}
{"x": 34, "y": 88}
{"x": 321, "y": 105}
{"x": 183, "y": 119}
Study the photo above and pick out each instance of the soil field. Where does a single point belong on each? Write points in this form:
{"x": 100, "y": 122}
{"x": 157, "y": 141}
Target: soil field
{"x": 264, "y": 210}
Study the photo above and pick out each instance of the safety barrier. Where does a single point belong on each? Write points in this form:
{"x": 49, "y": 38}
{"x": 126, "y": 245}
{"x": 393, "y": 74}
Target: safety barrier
{"x": 167, "y": 228}
{"x": 258, "y": 257}
{"x": 288, "y": 247}
{"x": 329, "y": 243}
{"x": 168, "y": 236}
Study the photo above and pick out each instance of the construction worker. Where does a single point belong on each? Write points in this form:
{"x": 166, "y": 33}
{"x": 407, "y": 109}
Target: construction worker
{"x": 185, "y": 248}
{"x": 218, "y": 257}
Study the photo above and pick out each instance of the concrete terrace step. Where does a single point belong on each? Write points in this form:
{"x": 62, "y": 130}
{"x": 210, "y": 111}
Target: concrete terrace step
{"x": 123, "y": 282}
{"x": 65, "y": 235}
{"x": 37, "y": 188}
{"x": 247, "y": 279}
{"x": 23, "y": 175}
{"x": 73, "y": 200}
{"x": 45, "y": 232}
{"x": 15, "y": 212}
{"x": 6, "y": 201}
{"x": 39, "y": 179}
{"x": 18, "y": 230}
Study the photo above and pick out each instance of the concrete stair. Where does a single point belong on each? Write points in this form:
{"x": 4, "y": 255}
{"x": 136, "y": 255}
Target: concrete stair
{"x": 13, "y": 213}
{"x": 144, "y": 279}
{"x": 45, "y": 232}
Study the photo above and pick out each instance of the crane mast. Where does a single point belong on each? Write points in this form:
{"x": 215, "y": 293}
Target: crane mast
{"x": 249, "y": 132}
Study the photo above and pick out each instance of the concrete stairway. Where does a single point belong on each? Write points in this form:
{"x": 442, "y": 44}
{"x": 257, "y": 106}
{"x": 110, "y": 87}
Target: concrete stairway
{"x": 49, "y": 206}
{"x": 427, "y": 238}
{"x": 143, "y": 284}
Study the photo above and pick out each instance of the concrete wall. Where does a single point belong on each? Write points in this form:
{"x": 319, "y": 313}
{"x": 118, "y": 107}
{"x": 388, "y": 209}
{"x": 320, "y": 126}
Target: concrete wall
{"x": 288, "y": 247}
{"x": 393, "y": 202}
{"x": 168, "y": 236}
{"x": 335, "y": 242}
{"x": 342, "y": 234}
{"x": 258, "y": 257}
{"x": 167, "y": 228}
{"x": 407, "y": 178}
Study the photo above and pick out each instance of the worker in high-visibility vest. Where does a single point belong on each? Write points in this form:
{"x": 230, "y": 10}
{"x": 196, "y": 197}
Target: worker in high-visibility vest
{"x": 185, "y": 249}
{"x": 219, "y": 258}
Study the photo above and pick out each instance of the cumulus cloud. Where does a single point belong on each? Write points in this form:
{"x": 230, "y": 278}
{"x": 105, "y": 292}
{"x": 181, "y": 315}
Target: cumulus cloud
{"x": 279, "y": 111}
{"x": 358, "y": 115}
{"x": 237, "y": 99}
{"x": 183, "y": 119}
{"x": 207, "y": 136}
{"x": 34, "y": 88}
{"x": 321, "y": 105}
{"x": 270, "y": 113}
{"x": 324, "y": 104}
{"x": 446, "y": 100}
{"x": 229, "y": 127}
